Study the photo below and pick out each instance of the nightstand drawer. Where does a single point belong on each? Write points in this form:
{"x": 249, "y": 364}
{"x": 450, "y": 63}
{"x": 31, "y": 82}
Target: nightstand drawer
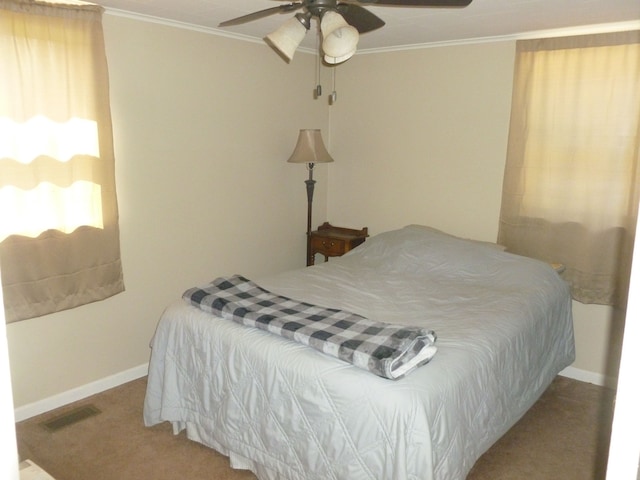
{"x": 330, "y": 247}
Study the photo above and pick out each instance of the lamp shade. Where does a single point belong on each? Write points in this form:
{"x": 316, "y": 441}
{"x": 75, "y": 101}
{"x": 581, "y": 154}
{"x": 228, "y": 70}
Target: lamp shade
{"x": 310, "y": 148}
{"x": 287, "y": 38}
{"x": 339, "y": 38}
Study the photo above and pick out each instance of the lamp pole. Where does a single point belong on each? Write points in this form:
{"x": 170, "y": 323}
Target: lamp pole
{"x": 310, "y": 186}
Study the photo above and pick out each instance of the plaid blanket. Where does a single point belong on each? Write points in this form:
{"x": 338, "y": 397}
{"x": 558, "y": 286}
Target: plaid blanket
{"x": 387, "y": 350}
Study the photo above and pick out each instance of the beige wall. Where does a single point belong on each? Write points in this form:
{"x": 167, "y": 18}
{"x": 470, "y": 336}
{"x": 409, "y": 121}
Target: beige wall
{"x": 203, "y": 126}
{"x": 420, "y": 136}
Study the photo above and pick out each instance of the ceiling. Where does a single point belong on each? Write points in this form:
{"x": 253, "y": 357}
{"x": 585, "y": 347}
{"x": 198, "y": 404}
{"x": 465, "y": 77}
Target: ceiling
{"x": 404, "y": 26}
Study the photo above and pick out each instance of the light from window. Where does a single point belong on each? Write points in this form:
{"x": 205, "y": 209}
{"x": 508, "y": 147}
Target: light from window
{"x": 38, "y": 136}
{"x": 578, "y": 151}
{"x": 48, "y": 206}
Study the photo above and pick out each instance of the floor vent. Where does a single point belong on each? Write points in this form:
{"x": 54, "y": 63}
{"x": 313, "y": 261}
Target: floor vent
{"x": 71, "y": 417}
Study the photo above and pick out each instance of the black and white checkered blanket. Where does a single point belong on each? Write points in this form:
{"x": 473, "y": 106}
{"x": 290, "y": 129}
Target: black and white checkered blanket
{"x": 387, "y": 350}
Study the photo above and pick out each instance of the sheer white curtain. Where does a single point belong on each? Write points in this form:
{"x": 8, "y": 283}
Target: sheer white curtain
{"x": 59, "y": 230}
{"x": 570, "y": 191}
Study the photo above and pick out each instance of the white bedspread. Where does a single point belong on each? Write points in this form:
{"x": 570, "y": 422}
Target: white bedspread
{"x": 287, "y": 411}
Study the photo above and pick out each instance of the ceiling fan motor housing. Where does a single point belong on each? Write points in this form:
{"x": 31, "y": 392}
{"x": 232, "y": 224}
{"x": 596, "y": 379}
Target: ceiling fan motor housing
{"x": 317, "y": 8}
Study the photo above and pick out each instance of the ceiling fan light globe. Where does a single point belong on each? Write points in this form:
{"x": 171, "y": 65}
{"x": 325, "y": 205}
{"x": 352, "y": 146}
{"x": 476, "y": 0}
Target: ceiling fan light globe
{"x": 330, "y": 21}
{"x": 287, "y": 38}
{"x": 336, "y": 60}
{"x": 339, "y": 38}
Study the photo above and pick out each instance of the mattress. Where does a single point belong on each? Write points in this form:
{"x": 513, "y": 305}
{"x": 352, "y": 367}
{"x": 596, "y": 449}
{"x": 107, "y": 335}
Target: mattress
{"x": 286, "y": 411}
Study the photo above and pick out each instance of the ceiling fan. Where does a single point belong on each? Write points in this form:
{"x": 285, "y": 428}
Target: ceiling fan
{"x": 341, "y": 23}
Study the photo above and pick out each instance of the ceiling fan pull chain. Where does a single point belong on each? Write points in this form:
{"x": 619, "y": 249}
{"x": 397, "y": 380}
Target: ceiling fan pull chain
{"x": 333, "y": 98}
{"x": 318, "y": 92}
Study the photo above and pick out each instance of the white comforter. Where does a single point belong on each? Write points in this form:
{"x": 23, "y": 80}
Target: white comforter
{"x": 286, "y": 411}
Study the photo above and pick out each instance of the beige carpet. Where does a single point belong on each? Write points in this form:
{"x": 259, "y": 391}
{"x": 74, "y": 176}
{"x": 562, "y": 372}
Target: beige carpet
{"x": 564, "y": 436}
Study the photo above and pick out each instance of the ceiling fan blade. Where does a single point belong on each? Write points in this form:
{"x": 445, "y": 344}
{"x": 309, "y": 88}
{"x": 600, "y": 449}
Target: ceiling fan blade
{"x": 261, "y": 14}
{"x": 419, "y": 3}
{"x": 360, "y": 18}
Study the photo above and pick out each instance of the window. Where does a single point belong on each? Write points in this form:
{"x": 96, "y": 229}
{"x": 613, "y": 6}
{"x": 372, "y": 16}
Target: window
{"x": 59, "y": 232}
{"x": 570, "y": 191}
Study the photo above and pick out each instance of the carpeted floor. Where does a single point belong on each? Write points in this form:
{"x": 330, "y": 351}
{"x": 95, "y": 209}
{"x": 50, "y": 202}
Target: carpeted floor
{"x": 564, "y": 436}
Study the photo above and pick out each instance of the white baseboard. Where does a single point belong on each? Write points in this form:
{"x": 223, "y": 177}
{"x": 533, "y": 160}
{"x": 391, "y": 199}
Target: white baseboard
{"x": 589, "y": 377}
{"x": 31, "y": 471}
{"x": 75, "y": 394}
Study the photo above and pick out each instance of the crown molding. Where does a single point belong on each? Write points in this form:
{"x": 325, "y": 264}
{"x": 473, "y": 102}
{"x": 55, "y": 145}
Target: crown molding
{"x": 557, "y": 32}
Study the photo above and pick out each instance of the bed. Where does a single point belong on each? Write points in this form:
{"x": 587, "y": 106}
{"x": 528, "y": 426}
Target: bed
{"x": 287, "y": 411}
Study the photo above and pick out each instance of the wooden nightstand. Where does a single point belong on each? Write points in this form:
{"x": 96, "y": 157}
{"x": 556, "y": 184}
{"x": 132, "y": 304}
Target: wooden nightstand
{"x": 333, "y": 241}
